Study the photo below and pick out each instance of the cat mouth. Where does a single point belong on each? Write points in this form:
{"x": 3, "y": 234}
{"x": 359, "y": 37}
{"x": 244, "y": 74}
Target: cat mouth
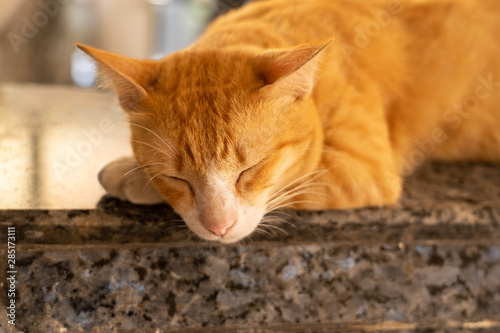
{"x": 234, "y": 233}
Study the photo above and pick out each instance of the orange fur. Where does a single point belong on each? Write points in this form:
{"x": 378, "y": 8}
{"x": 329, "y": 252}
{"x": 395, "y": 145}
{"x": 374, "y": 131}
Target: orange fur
{"x": 266, "y": 91}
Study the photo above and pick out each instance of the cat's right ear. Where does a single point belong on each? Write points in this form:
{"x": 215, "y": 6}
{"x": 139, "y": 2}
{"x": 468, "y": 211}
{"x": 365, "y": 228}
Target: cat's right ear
{"x": 130, "y": 78}
{"x": 291, "y": 72}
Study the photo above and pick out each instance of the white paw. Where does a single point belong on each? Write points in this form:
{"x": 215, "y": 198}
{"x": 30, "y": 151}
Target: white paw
{"x": 120, "y": 181}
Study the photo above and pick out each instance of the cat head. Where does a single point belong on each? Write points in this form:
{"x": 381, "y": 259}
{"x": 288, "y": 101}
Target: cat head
{"x": 220, "y": 133}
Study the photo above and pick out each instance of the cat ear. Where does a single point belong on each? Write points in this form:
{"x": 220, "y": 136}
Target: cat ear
{"x": 291, "y": 71}
{"x": 130, "y": 78}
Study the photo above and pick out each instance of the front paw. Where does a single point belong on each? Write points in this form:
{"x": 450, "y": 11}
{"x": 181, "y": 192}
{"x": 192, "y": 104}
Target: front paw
{"x": 124, "y": 179}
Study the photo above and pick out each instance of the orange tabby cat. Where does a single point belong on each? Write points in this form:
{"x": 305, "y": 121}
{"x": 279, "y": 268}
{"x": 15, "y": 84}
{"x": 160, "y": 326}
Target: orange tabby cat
{"x": 314, "y": 104}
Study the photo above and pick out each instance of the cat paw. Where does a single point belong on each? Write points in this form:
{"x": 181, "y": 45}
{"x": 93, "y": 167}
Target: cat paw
{"x": 121, "y": 182}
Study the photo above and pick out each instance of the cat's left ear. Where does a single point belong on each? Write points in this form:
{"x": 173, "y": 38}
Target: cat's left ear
{"x": 130, "y": 78}
{"x": 291, "y": 71}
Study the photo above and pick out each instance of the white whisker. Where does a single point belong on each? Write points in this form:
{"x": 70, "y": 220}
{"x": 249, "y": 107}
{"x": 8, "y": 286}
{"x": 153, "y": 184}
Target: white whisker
{"x": 263, "y": 232}
{"x": 288, "y": 204}
{"x": 272, "y": 205}
{"x": 295, "y": 194}
{"x": 154, "y": 147}
{"x": 171, "y": 147}
{"x": 270, "y": 226}
{"x": 298, "y": 188}
{"x": 181, "y": 227}
{"x": 284, "y": 213}
{"x": 298, "y": 180}
{"x": 150, "y": 179}
{"x": 136, "y": 168}
{"x": 273, "y": 219}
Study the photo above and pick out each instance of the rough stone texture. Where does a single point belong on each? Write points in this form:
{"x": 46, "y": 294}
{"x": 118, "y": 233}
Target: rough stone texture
{"x": 429, "y": 264}
{"x": 147, "y": 287}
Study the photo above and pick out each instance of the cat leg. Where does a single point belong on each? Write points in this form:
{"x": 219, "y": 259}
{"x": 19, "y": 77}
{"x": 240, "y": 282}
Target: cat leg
{"x": 358, "y": 164}
{"x": 124, "y": 179}
{"x": 351, "y": 181}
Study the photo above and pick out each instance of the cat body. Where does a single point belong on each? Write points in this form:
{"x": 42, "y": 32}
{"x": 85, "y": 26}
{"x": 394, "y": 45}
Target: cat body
{"x": 314, "y": 104}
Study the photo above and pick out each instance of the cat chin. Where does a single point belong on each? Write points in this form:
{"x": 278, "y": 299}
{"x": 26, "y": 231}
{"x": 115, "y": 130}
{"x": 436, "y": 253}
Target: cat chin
{"x": 233, "y": 236}
{"x": 249, "y": 218}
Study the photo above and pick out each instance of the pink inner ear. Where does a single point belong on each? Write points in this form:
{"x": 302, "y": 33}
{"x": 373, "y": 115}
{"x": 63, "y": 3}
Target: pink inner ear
{"x": 294, "y": 69}
{"x": 128, "y": 77}
{"x": 281, "y": 64}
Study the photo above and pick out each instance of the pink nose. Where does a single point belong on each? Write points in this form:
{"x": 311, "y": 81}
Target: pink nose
{"x": 219, "y": 230}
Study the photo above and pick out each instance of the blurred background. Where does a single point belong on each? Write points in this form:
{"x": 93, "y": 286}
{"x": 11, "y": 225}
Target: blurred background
{"x": 38, "y": 36}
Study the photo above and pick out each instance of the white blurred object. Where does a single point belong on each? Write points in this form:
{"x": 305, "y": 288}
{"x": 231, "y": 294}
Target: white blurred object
{"x": 83, "y": 70}
{"x": 177, "y": 23}
{"x": 80, "y": 20}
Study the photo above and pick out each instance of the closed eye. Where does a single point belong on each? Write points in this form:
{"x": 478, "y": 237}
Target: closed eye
{"x": 246, "y": 171}
{"x": 177, "y": 179}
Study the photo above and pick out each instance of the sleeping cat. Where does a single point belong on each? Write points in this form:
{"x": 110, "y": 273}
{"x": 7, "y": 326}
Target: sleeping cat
{"x": 319, "y": 104}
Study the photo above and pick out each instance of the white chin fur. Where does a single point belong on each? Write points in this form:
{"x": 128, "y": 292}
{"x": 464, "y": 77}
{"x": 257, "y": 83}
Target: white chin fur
{"x": 248, "y": 219}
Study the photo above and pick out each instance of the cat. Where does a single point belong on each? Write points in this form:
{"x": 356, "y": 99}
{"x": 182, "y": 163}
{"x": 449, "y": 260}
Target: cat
{"x": 320, "y": 104}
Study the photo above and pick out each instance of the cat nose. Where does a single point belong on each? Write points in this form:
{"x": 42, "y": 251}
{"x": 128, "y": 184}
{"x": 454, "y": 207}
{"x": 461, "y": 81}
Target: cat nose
{"x": 219, "y": 230}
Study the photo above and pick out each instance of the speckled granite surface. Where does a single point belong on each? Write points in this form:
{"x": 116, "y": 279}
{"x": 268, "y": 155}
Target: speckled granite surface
{"x": 429, "y": 264}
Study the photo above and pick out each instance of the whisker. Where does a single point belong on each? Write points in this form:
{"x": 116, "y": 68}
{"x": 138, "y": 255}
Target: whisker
{"x": 180, "y": 220}
{"x": 150, "y": 179}
{"x": 293, "y": 192}
{"x": 277, "y": 203}
{"x": 167, "y": 145}
{"x": 296, "y": 189}
{"x": 244, "y": 239}
{"x": 181, "y": 227}
{"x": 263, "y": 232}
{"x": 136, "y": 168}
{"x": 190, "y": 236}
{"x": 280, "y": 220}
{"x": 309, "y": 182}
{"x": 304, "y": 188}
{"x": 298, "y": 180}
{"x": 274, "y": 219}
{"x": 270, "y": 226}
{"x": 285, "y": 213}
{"x": 295, "y": 202}
{"x": 154, "y": 147}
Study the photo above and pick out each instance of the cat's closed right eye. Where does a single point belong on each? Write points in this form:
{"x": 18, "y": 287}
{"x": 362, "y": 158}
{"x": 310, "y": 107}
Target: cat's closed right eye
{"x": 246, "y": 172}
{"x": 178, "y": 181}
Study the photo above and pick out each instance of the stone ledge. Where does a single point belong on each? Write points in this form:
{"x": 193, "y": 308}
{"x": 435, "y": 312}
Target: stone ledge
{"x": 154, "y": 225}
{"x": 441, "y": 201}
{"x": 316, "y": 284}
